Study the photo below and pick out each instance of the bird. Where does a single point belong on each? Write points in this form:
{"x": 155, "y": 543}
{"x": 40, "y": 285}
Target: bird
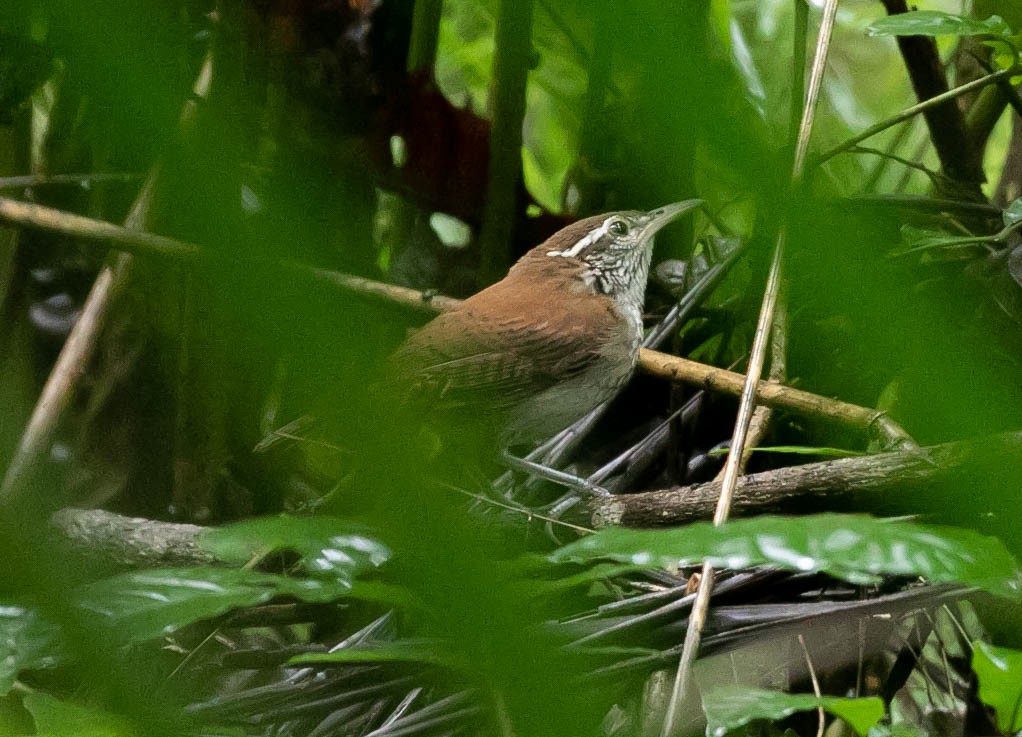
{"x": 556, "y": 337}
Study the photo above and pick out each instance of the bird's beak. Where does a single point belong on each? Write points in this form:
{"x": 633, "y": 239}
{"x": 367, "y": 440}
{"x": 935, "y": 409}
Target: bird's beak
{"x": 656, "y": 219}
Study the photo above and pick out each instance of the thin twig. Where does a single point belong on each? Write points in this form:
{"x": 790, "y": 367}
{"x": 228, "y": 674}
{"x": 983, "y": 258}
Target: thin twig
{"x": 933, "y": 176}
{"x": 713, "y": 378}
{"x": 906, "y": 176}
{"x": 83, "y": 180}
{"x": 897, "y": 139}
{"x": 514, "y": 508}
{"x": 747, "y": 404}
{"x": 816, "y": 684}
{"x": 77, "y": 351}
{"x": 127, "y": 239}
{"x": 912, "y": 112}
{"x": 762, "y": 415}
{"x": 874, "y": 479}
{"x": 64, "y": 378}
{"x": 673, "y": 368}
{"x": 960, "y": 160}
{"x": 997, "y": 237}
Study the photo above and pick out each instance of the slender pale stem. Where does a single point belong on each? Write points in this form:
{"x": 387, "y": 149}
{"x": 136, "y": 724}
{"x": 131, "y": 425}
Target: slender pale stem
{"x": 913, "y": 111}
{"x": 80, "y": 345}
{"x": 757, "y": 357}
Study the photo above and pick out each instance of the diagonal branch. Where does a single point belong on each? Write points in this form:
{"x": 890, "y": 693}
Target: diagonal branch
{"x": 655, "y": 363}
{"x": 871, "y": 476}
{"x": 74, "y": 357}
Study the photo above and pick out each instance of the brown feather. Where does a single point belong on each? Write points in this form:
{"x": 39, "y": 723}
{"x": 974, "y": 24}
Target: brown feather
{"x": 556, "y": 337}
{"x": 511, "y": 341}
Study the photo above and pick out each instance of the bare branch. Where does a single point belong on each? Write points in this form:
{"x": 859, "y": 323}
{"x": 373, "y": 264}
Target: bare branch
{"x": 829, "y": 481}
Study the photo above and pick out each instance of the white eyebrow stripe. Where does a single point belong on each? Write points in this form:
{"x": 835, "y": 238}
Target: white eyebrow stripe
{"x": 585, "y": 242}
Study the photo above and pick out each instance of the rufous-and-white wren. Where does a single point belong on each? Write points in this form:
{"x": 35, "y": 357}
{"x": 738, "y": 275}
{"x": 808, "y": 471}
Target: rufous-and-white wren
{"x": 557, "y": 336}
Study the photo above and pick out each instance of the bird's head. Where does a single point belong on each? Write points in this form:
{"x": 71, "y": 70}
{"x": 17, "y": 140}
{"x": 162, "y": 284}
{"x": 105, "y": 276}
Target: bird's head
{"x": 614, "y": 249}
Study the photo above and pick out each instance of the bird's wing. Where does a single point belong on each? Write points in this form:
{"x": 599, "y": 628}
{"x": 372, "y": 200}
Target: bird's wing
{"x": 494, "y": 363}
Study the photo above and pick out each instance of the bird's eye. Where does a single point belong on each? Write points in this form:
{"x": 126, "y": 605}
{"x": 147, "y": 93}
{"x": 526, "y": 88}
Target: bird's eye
{"x": 619, "y": 228}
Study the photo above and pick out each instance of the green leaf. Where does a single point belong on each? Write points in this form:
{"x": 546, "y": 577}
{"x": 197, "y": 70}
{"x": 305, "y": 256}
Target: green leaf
{"x": 144, "y": 605}
{"x": 731, "y": 707}
{"x": 27, "y": 642}
{"x": 936, "y": 23}
{"x": 540, "y": 183}
{"x": 55, "y": 718}
{"x": 1013, "y": 212}
{"x": 464, "y": 62}
{"x": 999, "y": 670}
{"x": 720, "y": 22}
{"x": 330, "y": 548}
{"x": 1005, "y": 54}
{"x": 854, "y": 548}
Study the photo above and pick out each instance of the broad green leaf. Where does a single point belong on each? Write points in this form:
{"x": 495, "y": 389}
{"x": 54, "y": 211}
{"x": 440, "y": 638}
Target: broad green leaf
{"x": 144, "y": 605}
{"x": 999, "y": 670}
{"x": 464, "y": 61}
{"x": 936, "y": 23}
{"x": 330, "y": 548}
{"x": 745, "y": 66}
{"x": 1013, "y": 212}
{"x": 27, "y": 642}
{"x": 55, "y": 718}
{"x": 731, "y": 707}
{"x": 720, "y": 21}
{"x": 543, "y": 187}
{"x": 854, "y": 548}
{"x": 550, "y": 146}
